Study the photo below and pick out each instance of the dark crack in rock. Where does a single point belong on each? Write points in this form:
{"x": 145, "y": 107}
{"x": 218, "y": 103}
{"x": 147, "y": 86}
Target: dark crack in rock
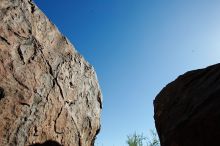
{"x": 2, "y": 93}
{"x": 47, "y": 143}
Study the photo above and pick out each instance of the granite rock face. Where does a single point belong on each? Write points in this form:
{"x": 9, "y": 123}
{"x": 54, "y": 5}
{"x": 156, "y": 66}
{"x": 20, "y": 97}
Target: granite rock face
{"x": 47, "y": 90}
{"x": 187, "y": 111}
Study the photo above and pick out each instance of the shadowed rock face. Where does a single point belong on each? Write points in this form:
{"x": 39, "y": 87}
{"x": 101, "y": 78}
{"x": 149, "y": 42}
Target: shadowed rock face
{"x": 187, "y": 111}
{"x": 47, "y": 143}
{"x": 47, "y": 89}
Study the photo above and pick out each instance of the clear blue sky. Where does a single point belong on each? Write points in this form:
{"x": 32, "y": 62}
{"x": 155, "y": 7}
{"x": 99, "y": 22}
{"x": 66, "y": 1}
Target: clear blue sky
{"x": 137, "y": 47}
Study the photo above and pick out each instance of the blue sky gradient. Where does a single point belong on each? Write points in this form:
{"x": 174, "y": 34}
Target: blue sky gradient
{"x": 137, "y": 47}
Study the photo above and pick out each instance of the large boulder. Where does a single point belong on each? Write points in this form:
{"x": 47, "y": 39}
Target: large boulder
{"x": 187, "y": 111}
{"x": 47, "y": 90}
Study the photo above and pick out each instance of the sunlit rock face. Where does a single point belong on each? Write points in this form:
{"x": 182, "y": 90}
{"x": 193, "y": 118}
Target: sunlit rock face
{"x": 187, "y": 111}
{"x": 47, "y": 90}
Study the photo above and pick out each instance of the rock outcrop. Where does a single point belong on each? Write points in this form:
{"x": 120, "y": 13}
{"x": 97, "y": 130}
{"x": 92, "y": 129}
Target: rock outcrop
{"x": 187, "y": 111}
{"x": 47, "y": 90}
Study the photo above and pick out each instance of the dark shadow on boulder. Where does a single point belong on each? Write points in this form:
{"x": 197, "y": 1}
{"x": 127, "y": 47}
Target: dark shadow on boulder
{"x": 47, "y": 143}
{"x": 2, "y": 93}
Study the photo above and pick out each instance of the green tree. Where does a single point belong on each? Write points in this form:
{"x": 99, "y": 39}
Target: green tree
{"x": 153, "y": 140}
{"x": 139, "y": 140}
{"x": 135, "y": 140}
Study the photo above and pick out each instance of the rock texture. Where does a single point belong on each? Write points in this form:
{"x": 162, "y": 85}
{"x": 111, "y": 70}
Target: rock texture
{"x": 47, "y": 90}
{"x": 187, "y": 111}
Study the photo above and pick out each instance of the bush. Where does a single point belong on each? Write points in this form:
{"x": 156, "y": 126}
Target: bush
{"x": 153, "y": 140}
{"x": 135, "y": 140}
{"x": 139, "y": 140}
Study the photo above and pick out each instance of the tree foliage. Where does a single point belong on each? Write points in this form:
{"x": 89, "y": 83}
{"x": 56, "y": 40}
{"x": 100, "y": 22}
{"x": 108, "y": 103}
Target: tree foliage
{"x": 135, "y": 140}
{"x": 153, "y": 140}
{"x": 139, "y": 140}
